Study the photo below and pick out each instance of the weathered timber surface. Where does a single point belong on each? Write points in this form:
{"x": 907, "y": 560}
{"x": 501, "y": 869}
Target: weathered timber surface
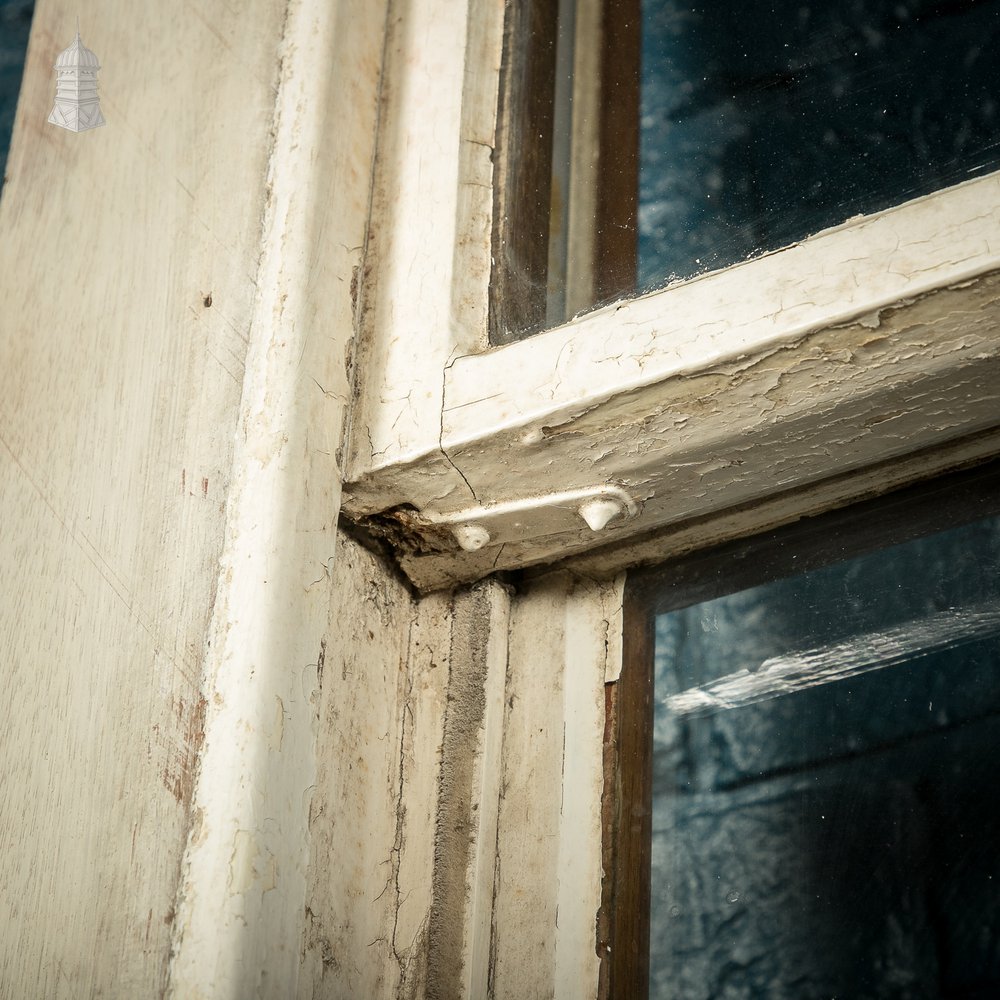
{"x": 119, "y": 389}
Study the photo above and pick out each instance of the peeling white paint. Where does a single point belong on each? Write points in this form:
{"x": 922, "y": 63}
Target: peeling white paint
{"x": 318, "y": 861}
{"x": 371, "y": 815}
{"x": 756, "y": 378}
{"x": 610, "y": 613}
{"x": 691, "y": 447}
{"x": 428, "y": 261}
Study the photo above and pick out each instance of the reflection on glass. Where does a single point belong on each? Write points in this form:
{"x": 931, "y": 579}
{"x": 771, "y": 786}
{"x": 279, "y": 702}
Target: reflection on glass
{"x": 825, "y": 822}
{"x": 763, "y": 123}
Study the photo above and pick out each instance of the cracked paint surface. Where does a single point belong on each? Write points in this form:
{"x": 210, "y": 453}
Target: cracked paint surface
{"x": 563, "y": 646}
{"x": 698, "y": 397}
{"x": 695, "y": 443}
{"x": 403, "y": 821}
{"x": 376, "y": 859}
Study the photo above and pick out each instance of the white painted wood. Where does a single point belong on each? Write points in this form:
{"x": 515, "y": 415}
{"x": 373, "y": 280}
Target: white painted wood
{"x": 428, "y": 257}
{"x": 422, "y": 740}
{"x": 829, "y": 403}
{"x": 784, "y": 507}
{"x": 860, "y": 344}
{"x": 612, "y": 603}
{"x": 465, "y": 837}
{"x": 286, "y": 715}
{"x": 371, "y": 821}
{"x": 126, "y": 374}
{"x": 847, "y": 274}
{"x": 119, "y": 392}
{"x": 592, "y": 651}
{"x": 403, "y": 822}
{"x": 243, "y": 890}
{"x": 548, "y": 886}
{"x": 527, "y": 879}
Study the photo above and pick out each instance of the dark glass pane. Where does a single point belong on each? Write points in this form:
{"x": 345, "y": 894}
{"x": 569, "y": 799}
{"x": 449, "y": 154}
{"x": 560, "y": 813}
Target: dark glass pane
{"x": 15, "y": 23}
{"x": 759, "y": 124}
{"x": 824, "y": 812}
{"x": 769, "y": 120}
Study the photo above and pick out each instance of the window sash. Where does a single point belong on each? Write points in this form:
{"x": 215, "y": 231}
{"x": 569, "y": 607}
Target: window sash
{"x": 852, "y": 350}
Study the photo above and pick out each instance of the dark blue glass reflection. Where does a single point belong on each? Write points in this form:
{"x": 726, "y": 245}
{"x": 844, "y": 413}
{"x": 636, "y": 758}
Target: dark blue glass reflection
{"x": 825, "y": 815}
{"x": 15, "y": 24}
{"x": 765, "y": 121}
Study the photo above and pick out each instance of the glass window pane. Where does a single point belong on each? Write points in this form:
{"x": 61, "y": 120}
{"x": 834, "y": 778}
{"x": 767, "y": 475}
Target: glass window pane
{"x": 761, "y": 128}
{"x": 824, "y": 816}
{"x": 654, "y": 140}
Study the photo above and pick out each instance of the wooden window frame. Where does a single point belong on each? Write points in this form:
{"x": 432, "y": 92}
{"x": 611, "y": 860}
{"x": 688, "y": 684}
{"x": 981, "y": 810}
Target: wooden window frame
{"x": 858, "y": 361}
{"x": 851, "y": 351}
